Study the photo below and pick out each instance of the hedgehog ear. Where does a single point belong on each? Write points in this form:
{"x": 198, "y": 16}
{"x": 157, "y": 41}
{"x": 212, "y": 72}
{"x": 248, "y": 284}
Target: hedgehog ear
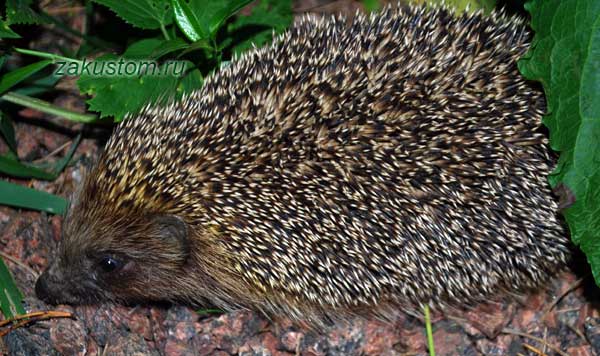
{"x": 174, "y": 230}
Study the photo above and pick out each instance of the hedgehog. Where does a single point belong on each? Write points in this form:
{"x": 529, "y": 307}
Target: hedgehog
{"x": 349, "y": 168}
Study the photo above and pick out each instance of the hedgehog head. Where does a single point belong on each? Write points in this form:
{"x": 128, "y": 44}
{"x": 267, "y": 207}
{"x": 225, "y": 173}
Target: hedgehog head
{"x": 113, "y": 252}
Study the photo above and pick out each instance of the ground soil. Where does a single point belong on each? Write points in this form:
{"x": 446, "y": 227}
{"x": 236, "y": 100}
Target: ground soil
{"x": 562, "y": 319}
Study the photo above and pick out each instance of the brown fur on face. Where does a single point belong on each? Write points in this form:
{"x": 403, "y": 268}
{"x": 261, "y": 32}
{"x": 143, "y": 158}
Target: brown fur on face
{"x": 159, "y": 255}
{"x": 345, "y": 169}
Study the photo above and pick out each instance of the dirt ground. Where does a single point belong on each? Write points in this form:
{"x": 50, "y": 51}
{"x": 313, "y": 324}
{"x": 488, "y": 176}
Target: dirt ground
{"x": 561, "y": 320}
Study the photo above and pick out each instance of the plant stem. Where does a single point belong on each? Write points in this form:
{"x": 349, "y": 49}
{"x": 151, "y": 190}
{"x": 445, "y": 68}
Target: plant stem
{"x": 429, "y": 331}
{"x": 54, "y": 57}
{"x": 164, "y": 32}
{"x": 46, "y": 107}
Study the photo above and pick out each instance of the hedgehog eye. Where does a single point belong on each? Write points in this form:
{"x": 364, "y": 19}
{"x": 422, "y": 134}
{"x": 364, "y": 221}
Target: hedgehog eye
{"x": 110, "y": 264}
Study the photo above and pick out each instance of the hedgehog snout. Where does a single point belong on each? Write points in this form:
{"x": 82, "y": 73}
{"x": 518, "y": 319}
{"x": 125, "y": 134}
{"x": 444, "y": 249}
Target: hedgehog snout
{"x": 57, "y": 285}
{"x": 48, "y": 286}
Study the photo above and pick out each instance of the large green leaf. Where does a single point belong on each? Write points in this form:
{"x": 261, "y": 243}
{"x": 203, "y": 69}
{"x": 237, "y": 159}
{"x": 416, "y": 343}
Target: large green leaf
{"x": 201, "y": 19}
{"x": 20, "y": 12}
{"x": 222, "y": 13}
{"x": 6, "y": 32}
{"x": 146, "y": 14}
{"x": 565, "y": 57}
{"x": 154, "y": 48}
{"x": 120, "y": 95}
{"x": 189, "y": 22}
{"x": 23, "y": 197}
{"x": 192, "y": 81}
{"x": 10, "y": 296}
{"x": 257, "y": 29}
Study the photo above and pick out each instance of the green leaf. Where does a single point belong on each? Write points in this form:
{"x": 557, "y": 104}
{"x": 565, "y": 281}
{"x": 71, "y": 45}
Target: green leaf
{"x": 23, "y": 197}
{"x": 202, "y": 19}
{"x": 13, "y": 78}
{"x": 154, "y": 48}
{"x": 20, "y": 12}
{"x": 257, "y": 29}
{"x": 222, "y": 13}
{"x": 186, "y": 17}
{"x": 109, "y": 92}
{"x": 192, "y": 81}
{"x": 565, "y": 57}
{"x": 11, "y": 298}
{"x": 146, "y": 14}
{"x": 8, "y": 132}
{"x": 6, "y": 32}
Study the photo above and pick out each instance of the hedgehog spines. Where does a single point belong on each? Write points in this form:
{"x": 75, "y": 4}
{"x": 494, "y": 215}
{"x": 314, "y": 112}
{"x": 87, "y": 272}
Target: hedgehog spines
{"x": 391, "y": 160}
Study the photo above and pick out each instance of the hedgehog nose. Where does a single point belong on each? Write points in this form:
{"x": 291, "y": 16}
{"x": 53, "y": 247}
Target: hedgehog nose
{"x": 41, "y": 288}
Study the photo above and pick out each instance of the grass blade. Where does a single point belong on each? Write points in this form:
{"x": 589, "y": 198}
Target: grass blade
{"x": 429, "y": 331}
{"x": 62, "y": 163}
{"x": 23, "y": 197}
{"x": 17, "y": 169}
{"x": 10, "y": 295}
{"x": 13, "y": 78}
{"x": 46, "y": 107}
{"x": 8, "y": 132}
